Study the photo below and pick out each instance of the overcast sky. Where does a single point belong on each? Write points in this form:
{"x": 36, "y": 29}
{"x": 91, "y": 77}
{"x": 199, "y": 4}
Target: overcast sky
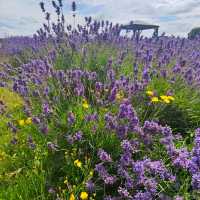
{"x": 177, "y": 17}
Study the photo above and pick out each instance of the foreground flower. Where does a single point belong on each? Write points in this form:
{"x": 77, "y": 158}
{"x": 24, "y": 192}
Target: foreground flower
{"x": 91, "y": 173}
{"x": 149, "y": 93}
{"x": 21, "y": 122}
{"x": 90, "y": 186}
{"x": 85, "y": 104}
{"x": 171, "y": 98}
{"x": 84, "y": 195}
{"x": 178, "y": 198}
{"x": 119, "y": 96}
{"x": 154, "y": 99}
{"x": 71, "y": 197}
{"x": 167, "y": 99}
{"x": 104, "y": 156}
{"x": 28, "y": 120}
{"x": 71, "y": 118}
{"x": 78, "y": 163}
{"x": 65, "y": 181}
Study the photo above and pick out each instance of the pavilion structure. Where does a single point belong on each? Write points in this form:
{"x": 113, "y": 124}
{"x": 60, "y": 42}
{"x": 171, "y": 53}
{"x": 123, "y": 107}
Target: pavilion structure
{"x": 138, "y": 28}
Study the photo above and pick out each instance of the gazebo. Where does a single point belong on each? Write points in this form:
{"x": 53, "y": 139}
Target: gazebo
{"x": 137, "y": 28}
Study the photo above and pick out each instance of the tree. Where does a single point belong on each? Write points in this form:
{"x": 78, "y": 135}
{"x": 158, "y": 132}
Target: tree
{"x": 193, "y": 33}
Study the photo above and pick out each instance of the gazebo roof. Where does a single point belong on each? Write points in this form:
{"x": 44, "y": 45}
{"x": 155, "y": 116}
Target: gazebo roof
{"x": 136, "y": 26}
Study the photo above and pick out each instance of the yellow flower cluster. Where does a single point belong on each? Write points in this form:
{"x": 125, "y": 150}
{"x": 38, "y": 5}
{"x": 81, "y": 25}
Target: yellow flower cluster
{"x": 167, "y": 99}
{"x": 83, "y": 196}
{"x": 23, "y": 122}
{"x": 150, "y": 93}
{"x": 119, "y": 96}
{"x": 78, "y": 163}
{"x": 85, "y": 104}
{"x": 163, "y": 98}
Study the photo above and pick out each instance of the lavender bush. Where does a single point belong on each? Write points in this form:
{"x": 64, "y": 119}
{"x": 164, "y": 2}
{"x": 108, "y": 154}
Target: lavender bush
{"x": 103, "y": 116}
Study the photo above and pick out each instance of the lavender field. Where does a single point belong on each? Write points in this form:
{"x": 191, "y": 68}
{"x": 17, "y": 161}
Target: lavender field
{"x": 89, "y": 114}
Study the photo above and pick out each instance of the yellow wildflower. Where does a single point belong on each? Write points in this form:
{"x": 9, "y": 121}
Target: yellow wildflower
{"x": 28, "y": 120}
{"x": 21, "y": 122}
{"x": 91, "y": 173}
{"x": 85, "y": 104}
{"x": 166, "y": 99}
{"x": 119, "y": 96}
{"x": 163, "y": 97}
{"x": 154, "y": 99}
{"x": 171, "y": 98}
{"x": 65, "y": 181}
{"x": 106, "y": 109}
{"x": 84, "y": 195}
{"x": 78, "y": 163}
{"x": 149, "y": 92}
{"x": 71, "y": 197}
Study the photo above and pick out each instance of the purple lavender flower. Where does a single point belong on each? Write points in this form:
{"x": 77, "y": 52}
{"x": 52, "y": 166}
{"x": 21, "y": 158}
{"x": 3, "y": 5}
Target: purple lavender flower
{"x": 70, "y": 139}
{"x": 110, "y": 121}
{"x": 36, "y": 120}
{"x": 196, "y": 181}
{"x": 182, "y": 159}
{"x": 106, "y": 177}
{"x": 90, "y": 186}
{"x": 157, "y": 167}
{"x": 179, "y": 198}
{"x": 104, "y": 156}
{"x": 109, "y": 180}
{"x": 14, "y": 141}
{"x": 42, "y": 6}
{"x": 46, "y": 109}
{"x": 78, "y": 136}
{"x": 46, "y": 91}
{"x": 51, "y": 190}
{"x": 30, "y": 142}
{"x": 79, "y": 89}
{"x": 151, "y": 127}
{"x": 91, "y": 117}
{"x": 51, "y": 146}
{"x": 122, "y": 131}
{"x": 44, "y": 129}
{"x": 71, "y": 118}
{"x": 98, "y": 86}
{"x": 143, "y": 196}
{"x": 194, "y": 165}
{"x": 12, "y": 127}
{"x": 126, "y": 146}
{"x": 123, "y": 192}
{"x": 113, "y": 94}
{"x": 151, "y": 185}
